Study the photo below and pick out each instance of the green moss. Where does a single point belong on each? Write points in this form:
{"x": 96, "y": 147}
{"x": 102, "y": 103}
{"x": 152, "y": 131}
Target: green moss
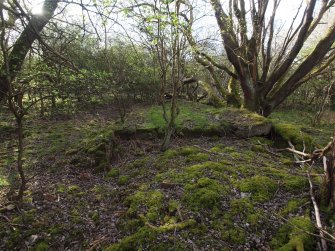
{"x": 236, "y": 155}
{"x": 258, "y": 148}
{"x": 175, "y": 226}
{"x": 291, "y": 132}
{"x": 286, "y": 161}
{"x": 137, "y": 241}
{"x": 26, "y": 217}
{"x": 241, "y": 206}
{"x": 41, "y": 246}
{"x": 262, "y": 188}
{"x": 234, "y": 235}
{"x": 218, "y": 148}
{"x": 188, "y": 150}
{"x": 261, "y": 141}
{"x": 151, "y": 202}
{"x": 189, "y": 173}
{"x": 139, "y": 163}
{"x": 228, "y": 149}
{"x": 244, "y": 209}
{"x": 114, "y": 172}
{"x": 95, "y": 216}
{"x": 145, "y": 237}
{"x": 292, "y": 206}
{"x": 198, "y": 157}
{"x": 293, "y": 236}
{"x": 73, "y": 189}
{"x": 170, "y": 153}
{"x": 60, "y": 188}
{"x": 55, "y": 229}
{"x": 205, "y": 193}
{"x": 173, "y": 205}
{"x": 295, "y": 183}
{"x": 123, "y": 180}
{"x": 75, "y": 216}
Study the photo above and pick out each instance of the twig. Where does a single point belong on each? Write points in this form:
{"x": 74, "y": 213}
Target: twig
{"x": 305, "y": 231}
{"x": 267, "y": 148}
{"x": 317, "y": 213}
{"x": 10, "y": 223}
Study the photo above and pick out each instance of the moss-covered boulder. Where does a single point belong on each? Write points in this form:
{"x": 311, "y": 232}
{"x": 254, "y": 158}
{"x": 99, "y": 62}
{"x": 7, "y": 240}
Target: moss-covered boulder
{"x": 285, "y": 132}
{"x": 244, "y": 123}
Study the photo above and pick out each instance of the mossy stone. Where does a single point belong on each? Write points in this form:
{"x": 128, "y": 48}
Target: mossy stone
{"x": 290, "y": 132}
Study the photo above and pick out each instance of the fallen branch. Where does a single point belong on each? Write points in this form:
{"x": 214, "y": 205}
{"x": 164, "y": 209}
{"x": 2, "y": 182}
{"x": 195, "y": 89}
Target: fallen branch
{"x": 316, "y": 154}
{"x": 332, "y": 240}
{"x": 317, "y": 213}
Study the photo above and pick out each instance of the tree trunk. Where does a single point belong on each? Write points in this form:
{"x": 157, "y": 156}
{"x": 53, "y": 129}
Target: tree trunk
{"x": 23, "y": 44}
{"x": 19, "y": 160}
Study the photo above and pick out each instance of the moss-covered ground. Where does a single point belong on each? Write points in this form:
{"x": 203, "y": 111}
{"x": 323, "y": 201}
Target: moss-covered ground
{"x": 89, "y": 189}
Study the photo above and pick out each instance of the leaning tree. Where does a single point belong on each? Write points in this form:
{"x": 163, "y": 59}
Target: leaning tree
{"x": 33, "y": 25}
{"x": 268, "y": 75}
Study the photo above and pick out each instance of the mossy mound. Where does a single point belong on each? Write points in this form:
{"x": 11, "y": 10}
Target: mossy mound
{"x": 262, "y": 188}
{"x": 205, "y": 193}
{"x": 224, "y": 198}
{"x": 295, "y": 235}
{"x": 284, "y": 132}
{"x": 195, "y": 119}
{"x": 244, "y": 123}
{"x": 99, "y": 148}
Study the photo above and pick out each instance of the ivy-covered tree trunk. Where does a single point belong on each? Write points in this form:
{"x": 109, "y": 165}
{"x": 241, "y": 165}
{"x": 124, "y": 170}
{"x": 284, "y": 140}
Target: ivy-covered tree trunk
{"x": 23, "y": 44}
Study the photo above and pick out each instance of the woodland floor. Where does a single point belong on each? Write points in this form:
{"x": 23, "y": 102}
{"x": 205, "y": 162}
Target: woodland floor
{"x": 205, "y": 193}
